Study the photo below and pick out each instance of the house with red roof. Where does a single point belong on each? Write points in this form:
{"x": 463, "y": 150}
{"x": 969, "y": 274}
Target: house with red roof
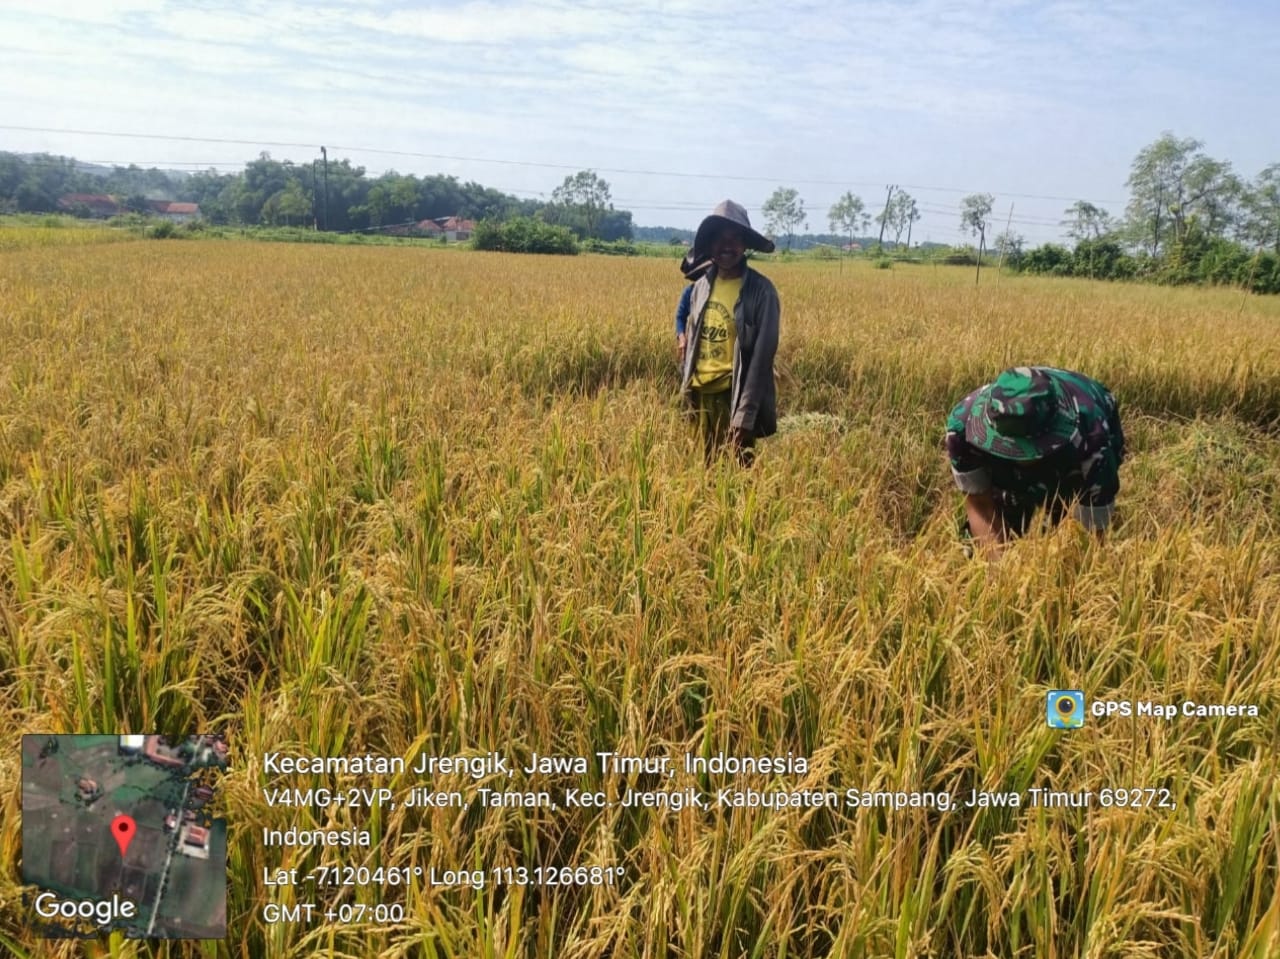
{"x": 452, "y": 229}
{"x": 174, "y": 211}
{"x": 96, "y": 205}
{"x": 193, "y": 841}
{"x": 455, "y": 228}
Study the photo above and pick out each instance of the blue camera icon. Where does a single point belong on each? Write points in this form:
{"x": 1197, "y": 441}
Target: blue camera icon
{"x": 1064, "y": 708}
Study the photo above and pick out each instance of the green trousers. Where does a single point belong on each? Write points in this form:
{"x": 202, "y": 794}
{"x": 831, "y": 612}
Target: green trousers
{"x": 714, "y": 418}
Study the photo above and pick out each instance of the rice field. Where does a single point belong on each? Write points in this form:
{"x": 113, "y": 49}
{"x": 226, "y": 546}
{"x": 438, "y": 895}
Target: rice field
{"x": 24, "y": 232}
{"x": 340, "y": 501}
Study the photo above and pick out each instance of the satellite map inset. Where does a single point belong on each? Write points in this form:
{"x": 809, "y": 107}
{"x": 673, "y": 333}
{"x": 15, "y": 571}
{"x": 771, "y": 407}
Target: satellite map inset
{"x": 116, "y": 835}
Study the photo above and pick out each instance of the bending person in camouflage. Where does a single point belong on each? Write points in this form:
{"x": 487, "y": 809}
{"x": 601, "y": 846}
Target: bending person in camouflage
{"x": 1035, "y": 437}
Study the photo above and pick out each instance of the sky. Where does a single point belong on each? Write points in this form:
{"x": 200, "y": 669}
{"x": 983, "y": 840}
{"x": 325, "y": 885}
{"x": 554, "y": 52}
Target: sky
{"x": 677, "y": 105}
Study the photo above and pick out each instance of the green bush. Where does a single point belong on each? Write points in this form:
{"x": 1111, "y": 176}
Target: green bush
{"x": 130, "y": 221}
{"x": 884, "y": 263}
{"x": 164, "y": 230}
{"x": 1258, "y": 272}
{"x": 1182, "y": 264}
{"x": 1050, "y": 259}
{"x": 610, "y": 247}
{"x": 1146, "y": 266}
{"x": 1100, "y": 259}
{"x": 1195, "y": 257}
{"x": 524, "y": 234}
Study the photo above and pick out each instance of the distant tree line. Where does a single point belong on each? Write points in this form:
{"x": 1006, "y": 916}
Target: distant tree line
{"x": 343, "y": 198}
{"x": 1190, "y": 219}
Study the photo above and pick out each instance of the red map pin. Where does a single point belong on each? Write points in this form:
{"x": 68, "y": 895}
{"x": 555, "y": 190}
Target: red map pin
{"x": 122, "y": 828}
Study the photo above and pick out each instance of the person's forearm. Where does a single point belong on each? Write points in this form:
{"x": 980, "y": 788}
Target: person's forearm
{"x": 985, "y": 523}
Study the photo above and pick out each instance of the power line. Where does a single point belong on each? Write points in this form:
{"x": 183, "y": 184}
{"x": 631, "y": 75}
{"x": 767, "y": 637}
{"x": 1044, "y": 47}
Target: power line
{"x": 202, "y": 164}
{"x": 158, "y": 136}
{"x": 1030, "y": 223}
{"x": 528, "y": 163}
{"x": 937, "y": 209}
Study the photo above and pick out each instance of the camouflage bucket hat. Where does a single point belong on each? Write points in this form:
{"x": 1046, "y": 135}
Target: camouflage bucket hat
{"x": 1022, "y": 416}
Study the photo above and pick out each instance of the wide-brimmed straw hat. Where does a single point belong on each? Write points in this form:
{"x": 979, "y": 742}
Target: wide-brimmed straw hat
{"x": 728, "y": 213}
{"x": 1022, "y": 416}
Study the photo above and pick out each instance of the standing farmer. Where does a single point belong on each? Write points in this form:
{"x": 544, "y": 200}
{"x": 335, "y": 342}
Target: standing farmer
{"x": 727, "y": 366}
{"x": 1037, "y": 436}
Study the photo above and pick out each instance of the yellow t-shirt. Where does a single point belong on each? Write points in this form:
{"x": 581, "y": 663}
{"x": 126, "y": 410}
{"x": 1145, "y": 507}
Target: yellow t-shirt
{"x": 714, "y": 370}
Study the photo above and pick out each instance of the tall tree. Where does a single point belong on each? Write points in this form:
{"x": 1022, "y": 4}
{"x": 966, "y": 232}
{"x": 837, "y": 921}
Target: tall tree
{"x": 1086, "y": 221}
{"x": 1261, "y": 223}
{"x": 975, "y": 216}
{"x": 616, "y": 225}
{"x": 587, "y": 196}
{"x": 392, "y": 199}
{"x": 975, "y": 213}
{"x": 42, "y": 180}
{"x": 12, "y": 170}
{"x": 1171, "y": 181}
{"x": 1213, "y": 194}
{"x": 1009, "y": 244}
{"x": 402, "y": 192}
{"x": 347, "y": 190}
{"x": 289, "y": 205}
{"x": 295, "y": 205}
{"x": 1156, "y": 184}
{"x": 900, "y": 214}
{"x": 784, "y": 212}
{"x": 848, "y": 215}
{"x": 912, "y": 214}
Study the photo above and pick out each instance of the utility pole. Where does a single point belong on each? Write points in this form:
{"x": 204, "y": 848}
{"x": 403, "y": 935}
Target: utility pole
{"x": 315, "y": 197}
{"x": 884, "y": 217}
{"x": 1155, "y": 239}
{"x": 1004, "y": 246}
{"x": 982, "y": 246}
{"x": 325, "y": 153}
{"x": 910, "y": 220}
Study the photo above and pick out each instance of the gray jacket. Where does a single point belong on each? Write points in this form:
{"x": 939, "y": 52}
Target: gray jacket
{"x": 756, "y": 316}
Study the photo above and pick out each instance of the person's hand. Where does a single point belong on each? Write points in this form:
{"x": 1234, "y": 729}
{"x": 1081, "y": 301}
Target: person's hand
{"x": 680, "y": 344}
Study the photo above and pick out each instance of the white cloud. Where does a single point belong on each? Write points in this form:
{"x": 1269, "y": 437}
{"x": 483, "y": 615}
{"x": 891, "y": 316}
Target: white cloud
{"x": 488, "y": 23}
{"x": 78, "y": 11}
{"x": 219, "y": 26}
{"x": 879, "y": 90}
